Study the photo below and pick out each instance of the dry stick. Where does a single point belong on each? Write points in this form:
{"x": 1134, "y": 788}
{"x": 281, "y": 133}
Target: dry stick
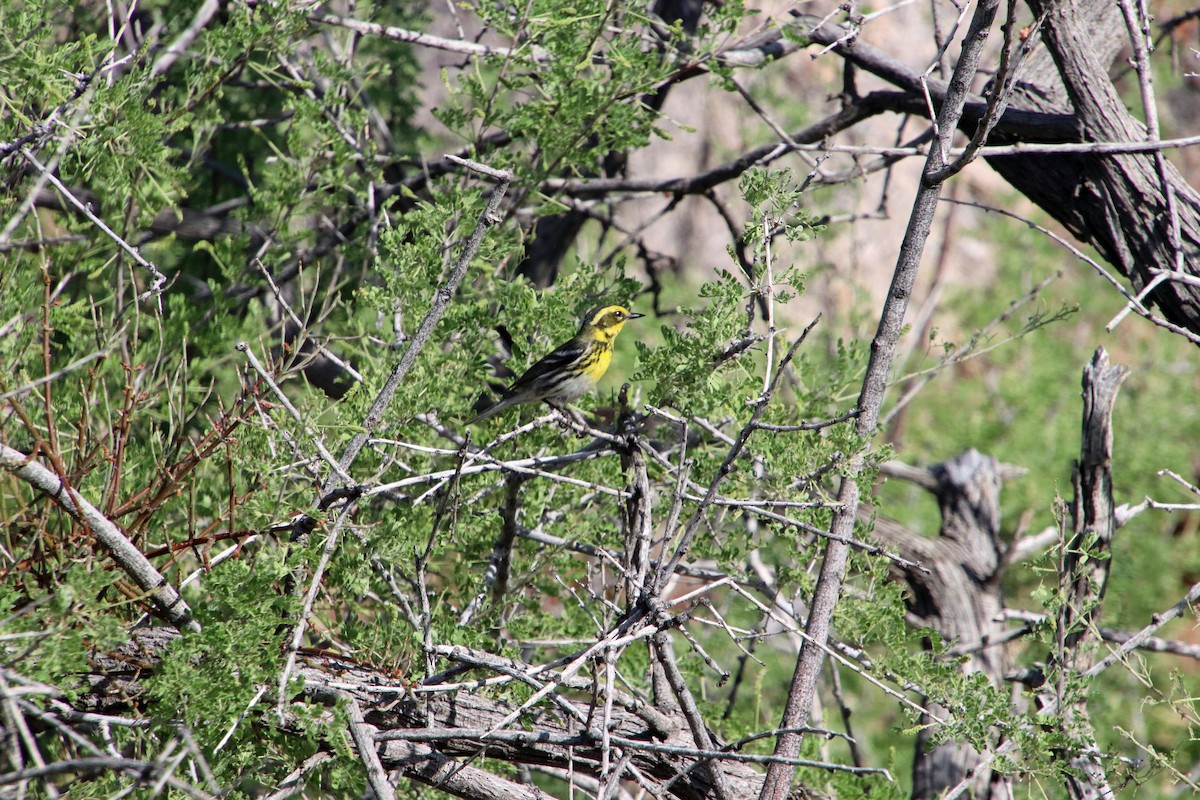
{"x": 499, "y": 567}
{"x": 67, "y": 732}
{"x": 849, "y": 657}
{"x": 918, "y": 380}
{"x": 159, "y": 279}
{"x": 700, "y": 183}
{"x": 1092, "y": 509}
{"x": 300, "y": 324}
{"x": 291, "y": 409}
{"x": 1002, "y": 87}
{"x": 45, "y": 126}
{"x": 58, "y": 373}
{"x": 138, "y": 770}
{"x": 1145, "y": 639}
{"x": 586, "y": 739}
{"x": 1134, "y": 302}
{"x": 835, "y": 676}
{"x": 198, "y": 759}
{"x": 204, "y": 14}
{"x": 538, "y": 466}
{"x": 622, "y": 635}
{"x": 610, "y": 775}
{"x": 24, "y": 736}
{"x": 292, "y": 785}
{"x": 123, "y": 551}
{"x": 424, "y": 39}
{"x": 749, "y": 508}
{"x": 883, "y": 348}
{"x": 39, "y": 136}
{"x": 618, "y": 637}
{"x": 661, "y": 725}
{"x": 1083, "y": 575}
{"x": 638, "y": 524}
{"x": 310, "y": 598}
{"x": 1142, "y": 636}
{"x": 364, "y": 741}
{"x": 1139, "y": 38}
{"x": 433, "y": 768}
{"x": 665, "y": 652}
{"x": 611, "y": 556}
{"x": 441, "y": 300}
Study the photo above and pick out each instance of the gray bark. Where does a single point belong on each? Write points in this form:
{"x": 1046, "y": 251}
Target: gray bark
{"x": 1084, "y": 574}
{"x": 1140, "y": 216}
{"x": 1117, "y": 203}
{"x": 959, "y": 598}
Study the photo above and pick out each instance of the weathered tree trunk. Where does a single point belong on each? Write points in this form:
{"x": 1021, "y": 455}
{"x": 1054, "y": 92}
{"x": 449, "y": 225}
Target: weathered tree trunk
{"x": 1117, "y": 203}
{"x": 1136, "y": 209}
{"x": 959, "y": 598}
{"x": 1084, "y": 574}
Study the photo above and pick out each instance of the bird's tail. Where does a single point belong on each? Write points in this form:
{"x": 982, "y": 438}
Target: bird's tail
{"x": 494, "y": 409}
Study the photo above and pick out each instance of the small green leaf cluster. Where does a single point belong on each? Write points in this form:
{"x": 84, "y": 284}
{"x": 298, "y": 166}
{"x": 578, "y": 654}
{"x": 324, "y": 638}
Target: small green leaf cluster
{"x": 775, "y": 199}
{"x": 573, "y": 91}
{"x": 688, "y": 371}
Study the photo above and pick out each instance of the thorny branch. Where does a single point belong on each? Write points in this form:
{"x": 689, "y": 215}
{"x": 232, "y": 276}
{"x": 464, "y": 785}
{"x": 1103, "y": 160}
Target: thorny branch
{"x": 165, "y": 597}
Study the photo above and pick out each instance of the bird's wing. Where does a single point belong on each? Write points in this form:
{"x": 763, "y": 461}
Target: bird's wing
{"x": 555, "y": 360}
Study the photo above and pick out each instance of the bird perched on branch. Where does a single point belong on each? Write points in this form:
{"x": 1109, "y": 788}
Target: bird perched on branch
{"x": 570, "y": 370}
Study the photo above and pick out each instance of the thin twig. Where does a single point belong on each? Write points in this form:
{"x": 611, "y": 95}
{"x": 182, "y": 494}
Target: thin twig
{"x": 760, "y": 404}
{"x": 427, "y": 40}
{"x": 891, "y": 323}
{"x": 159, "y": 280}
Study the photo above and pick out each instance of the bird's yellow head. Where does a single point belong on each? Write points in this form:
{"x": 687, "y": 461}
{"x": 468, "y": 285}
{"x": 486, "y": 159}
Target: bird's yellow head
{"x": 604, "y": 323}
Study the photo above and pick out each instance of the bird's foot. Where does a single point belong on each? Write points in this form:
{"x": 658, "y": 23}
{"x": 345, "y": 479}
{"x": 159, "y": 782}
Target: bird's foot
{"x": 571, "y": 418}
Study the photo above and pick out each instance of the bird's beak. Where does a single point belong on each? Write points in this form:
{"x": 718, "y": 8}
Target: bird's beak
{"x": 636, "y": 316}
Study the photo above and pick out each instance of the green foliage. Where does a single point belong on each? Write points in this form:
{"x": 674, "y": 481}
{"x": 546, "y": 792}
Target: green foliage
{"x": 312, "y": 161}
{"x": 56, "y": 626}
{"x": 561, "y": 102}
{"x": 683, "y": 367}
{"x": 775, "y": 199}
